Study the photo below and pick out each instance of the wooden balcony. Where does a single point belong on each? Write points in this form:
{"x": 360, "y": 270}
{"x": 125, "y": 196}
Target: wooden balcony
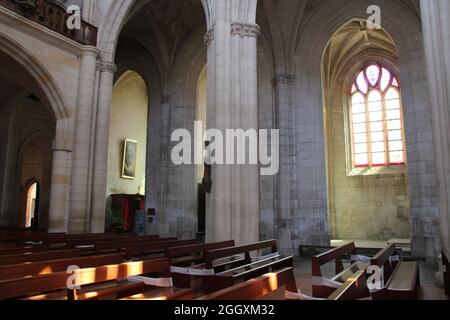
{"x": 54, "y": 17}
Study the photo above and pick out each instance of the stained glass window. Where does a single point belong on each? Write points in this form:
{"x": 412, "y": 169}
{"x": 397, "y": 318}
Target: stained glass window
{"x": 376, "y": 118}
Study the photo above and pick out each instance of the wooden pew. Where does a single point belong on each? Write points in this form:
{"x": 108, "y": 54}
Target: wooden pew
{"x": 87, "y": 242}
{"x": 22, "y": 270}
{"x": 20, "y": 236}
{"x": 61, "y": 240}
{"x": 235, "y": 264}
{"x": 97, "y": 283}
{"x": 140, "y": 250}
{"x": 113, "y": 246}
{"x": 401, "y": 278}
{"x": 320, "y": 289}
{"x": 36, "y": 238}
{"x": 446, "y": 267}
{"x": 259, "y": 288}
{"x": 39, "y": 256}
{"x": 353, "y": 289}
{"x": 19, "y": 250}
{"x": 383, "y": 260}
{"x": 187, "y": 256}
{"x": 226, "y": 258}
{"x": 247, "y": 272}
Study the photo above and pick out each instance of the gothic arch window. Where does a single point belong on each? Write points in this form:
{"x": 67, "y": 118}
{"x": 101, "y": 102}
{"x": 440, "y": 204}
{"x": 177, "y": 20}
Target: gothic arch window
{"x": 376, "y": 118}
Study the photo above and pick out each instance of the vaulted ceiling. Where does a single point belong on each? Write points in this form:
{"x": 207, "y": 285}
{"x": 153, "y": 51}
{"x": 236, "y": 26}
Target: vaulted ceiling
{"x": 355, "y": 40}
{"x": 160, "y": 28}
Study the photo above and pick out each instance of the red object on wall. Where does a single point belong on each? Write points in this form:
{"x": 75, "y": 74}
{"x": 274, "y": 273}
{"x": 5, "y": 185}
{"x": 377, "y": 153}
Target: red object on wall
{"x": 129, "y": 204}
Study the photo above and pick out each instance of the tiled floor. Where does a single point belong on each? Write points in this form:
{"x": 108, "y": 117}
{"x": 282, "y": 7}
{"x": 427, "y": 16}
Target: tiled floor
{"x": 429, "y": 289}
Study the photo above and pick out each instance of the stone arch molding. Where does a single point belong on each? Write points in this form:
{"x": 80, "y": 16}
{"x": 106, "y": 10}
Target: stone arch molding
{"x": 44, "y": 80}
{"x": 317, "y": 34}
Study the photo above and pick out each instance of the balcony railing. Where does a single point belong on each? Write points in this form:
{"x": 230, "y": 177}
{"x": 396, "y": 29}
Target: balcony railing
{"x": 54, "y": 17}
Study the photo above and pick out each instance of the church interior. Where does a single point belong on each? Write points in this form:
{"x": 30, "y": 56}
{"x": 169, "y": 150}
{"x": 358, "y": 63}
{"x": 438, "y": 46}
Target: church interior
{"x": 99, "y": 97}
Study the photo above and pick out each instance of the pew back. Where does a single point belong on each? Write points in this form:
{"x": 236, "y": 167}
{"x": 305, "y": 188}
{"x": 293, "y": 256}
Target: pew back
{"x": 35, "y": 285}
{"x": 258, "y": 288}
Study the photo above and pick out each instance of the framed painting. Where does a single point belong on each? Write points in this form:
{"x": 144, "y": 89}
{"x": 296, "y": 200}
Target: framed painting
{"x": 129, "y": 159}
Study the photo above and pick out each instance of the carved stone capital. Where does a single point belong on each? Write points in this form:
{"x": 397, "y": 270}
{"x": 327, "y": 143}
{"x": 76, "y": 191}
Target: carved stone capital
{"x": 106, "y": 66}
{"x": 284, "y": 78}
{"x": 245, "y": 29}
{"x": 209, "y": 36}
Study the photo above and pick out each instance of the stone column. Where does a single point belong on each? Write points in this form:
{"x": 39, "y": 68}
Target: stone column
{"x": 283, "y": 84}
{"x": 80, "y": 184}
{"x": 103, "y": 119}
{"x": 233, "y": 205}
{"x": 436, "y": 32}
{"x": 60, "y": 185}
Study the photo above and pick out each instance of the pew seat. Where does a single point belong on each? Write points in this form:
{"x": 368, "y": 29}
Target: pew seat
{"x": 258, "y": 288}
{"x": 404, "y": 283}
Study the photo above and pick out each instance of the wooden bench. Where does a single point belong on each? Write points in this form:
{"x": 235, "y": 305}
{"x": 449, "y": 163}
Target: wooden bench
{"x": 22, "y": 270}
{"x": 113, "y": 246}
{"x": 92, "y": 242}
{"x": 187, "y": 256}
{"x": 140, "y": 250}
{"x": 446, "y": 268}
{"x": 259, "y": 288}
{"x": 244, "y": 273}
{"x": 325, "y": 287}
{"x": 353, "y": 289}
{"x": 39, "y": 256}
{"x": 383, "y": 259}
{"x": 401, "y": 278}
{"x": 21, "y": 236}
{"x": 19, "y": 250}
{"x": 61, "y": 240}
{"x": 235, "y": 264}
{"x": 227, "y": 258}
{"x": 97, "y": 283}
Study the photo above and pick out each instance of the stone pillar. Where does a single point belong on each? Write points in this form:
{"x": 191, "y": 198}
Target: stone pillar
{"x": 283, "y": 85}
{"x": 233, "y": 205}
{"x": 436, "y": 32}
{"x": 79, "y": 205}
{"x": 60, "y": 186}
{"x": 100, "y": 172}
